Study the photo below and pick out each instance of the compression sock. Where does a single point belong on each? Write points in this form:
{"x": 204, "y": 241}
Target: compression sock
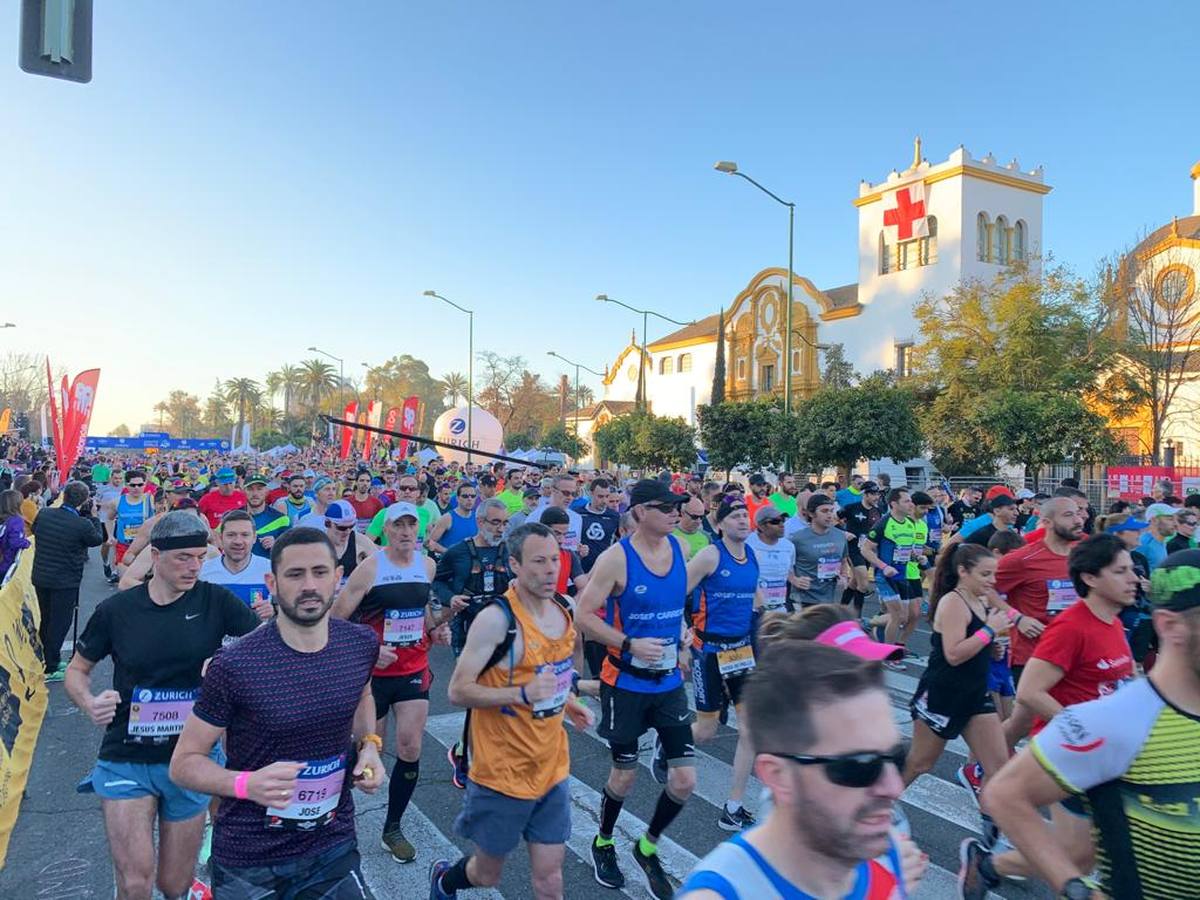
{"x": 400, "y": 791}
{"x": 455, "y": 878}
{"x": 610, "y": 809}
{"x": 665, "y": 812}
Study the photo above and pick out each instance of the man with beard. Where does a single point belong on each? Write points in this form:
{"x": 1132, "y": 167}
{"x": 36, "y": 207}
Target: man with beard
{"x": 294, "y": 504}
{"x": 455, "y": 525}
{"x": 324, "y": 493}
{"x": 829, "y": 752}
{"x": 268, "y": 522}
{"x": 784, "y": 499}
{"x": 292, "y": 701}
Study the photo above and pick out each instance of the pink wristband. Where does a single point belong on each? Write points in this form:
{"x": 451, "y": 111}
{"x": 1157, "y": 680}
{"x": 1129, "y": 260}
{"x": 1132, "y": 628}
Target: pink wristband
{"x": 239, "y": 786}
{"x": 985, "y": 636}
{"x": 1013, "y": 615}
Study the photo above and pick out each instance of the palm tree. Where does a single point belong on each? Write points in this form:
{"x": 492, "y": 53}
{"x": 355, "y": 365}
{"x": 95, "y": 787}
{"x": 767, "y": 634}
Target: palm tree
{"x": 453, "y": 385}
{"x": 289, "y": 379}
{"x": 585, "y": 396}
{"x": 317, "y": 378}
{"x": 244, "y": 394}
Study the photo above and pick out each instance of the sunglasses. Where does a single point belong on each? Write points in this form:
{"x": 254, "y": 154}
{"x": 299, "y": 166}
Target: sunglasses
{"x": 667, "y": 508}
{"x": 690, "y": 515}
{"x": 771, "y": 522}
{"x": 135, "y": 484}
{"x": 853, "y": 770}
{"x": 344, "y": 527}
{"x": 408, "y": 487}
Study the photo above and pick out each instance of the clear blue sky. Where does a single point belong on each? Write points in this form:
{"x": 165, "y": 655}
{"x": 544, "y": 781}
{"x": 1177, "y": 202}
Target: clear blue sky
{"x": 241, "y": 180}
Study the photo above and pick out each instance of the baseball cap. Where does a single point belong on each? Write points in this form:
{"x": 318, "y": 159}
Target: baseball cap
{"x": 321, "y": 482}
{"x": 225, "y": 476}
{"x": 850, "y": 637}
{"x": 817, "y": 500}
{"x": 758, "y": 478}
{"x": 1130, "y": 523}
{"x": 179, "y": 486}
{"x": 397, "y": 510}
{"x": 1154, "y": 510}
{"x": 729, "y": 507}
{"x": 1025, "y": 494}
{"x": 764, "y": 513}
{"x": 533, "y": 492}
{"x": 870, "y": 487}
{"x": 256, "y": 479}
{"x": 339, "y": 512}
{"x": 1001, "y": 500}
{"x": 998, "y": 490}
{"x": 651, "y": 490}
{"x": 1175, "y": 584}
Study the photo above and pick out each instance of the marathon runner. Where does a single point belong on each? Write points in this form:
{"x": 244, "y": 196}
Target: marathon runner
{"x": 216, "y": 503}
{"x": 563, "y": 489}
{"x": 821, "y": 552}
{"x": 598, "y": 523}
{"x": 292, "y": 703}
{"x": 692, "y": 536}
{"x": 515, "y": 675}
{"x": 1121, "y": 755}
{"x": 830, "y": 753}
{"x": 350, "y": 546}
{"x": 324, "y": 493}
{"x": 727, "y": 574}
{"x": 268, "y": 523}
{"x": 759, "y": 489}
{"x": 108, "y": 492}
{"x": 775, "y": 556}
{"x": 513, "y": 495}
{"x": 237, "y": 568}
{"x": 160, "y": 635}
{"x": 294, "y": 504}
{"x": 784, "y": 499}
{"x": 390, "y": 591}
{"x": 127, "y": 513}
{"x": 860, "y": 517}
{"x": 888, "y": 547}
{"x": 457, "y": 524}
{"x": 640, "y": 583}
{"x": 409, "y": 490}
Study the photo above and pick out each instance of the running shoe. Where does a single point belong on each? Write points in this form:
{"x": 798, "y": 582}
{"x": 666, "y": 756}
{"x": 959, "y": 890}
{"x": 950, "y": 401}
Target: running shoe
{"x": 397, "y": 844}
{"x": 990, "y": 831}
{"x": 972, "y": 883}
{"x": 657, "y": 882}
{"x": 604, "y": 865}
{"x": 458, "y": 762}
{"x": 113, "y": 578}
{"x": 970, "y": 776}
{"x": 658, "y": 765}
{"x": 736, "y": 820}
{"x": 57, "y": 675}
{"x": 436, "y": 871}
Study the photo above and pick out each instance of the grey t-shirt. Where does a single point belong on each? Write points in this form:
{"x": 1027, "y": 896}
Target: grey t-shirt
{"x": 819, "y": 557}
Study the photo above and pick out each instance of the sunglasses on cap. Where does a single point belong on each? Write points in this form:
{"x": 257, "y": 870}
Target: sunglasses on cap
{"x": 853, "y": 770}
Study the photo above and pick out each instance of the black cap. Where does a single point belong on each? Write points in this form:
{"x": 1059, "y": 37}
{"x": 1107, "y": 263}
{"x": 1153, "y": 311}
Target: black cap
{"x": 758, "y": 478}
{"x": 651, "y": 490}
{"x": 817, "y": 500}
{"x": 727, "y": 507}
{"x": 1001, "y": 500}
{"x": 870, "y": 487}
{"x": 256, "y": 479}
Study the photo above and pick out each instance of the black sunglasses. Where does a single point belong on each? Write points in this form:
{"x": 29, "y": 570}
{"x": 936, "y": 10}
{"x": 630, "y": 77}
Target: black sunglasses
{"x": 664, "y": 507}
{"x": 770, "y": 522}
{"x": 853, "y": 770}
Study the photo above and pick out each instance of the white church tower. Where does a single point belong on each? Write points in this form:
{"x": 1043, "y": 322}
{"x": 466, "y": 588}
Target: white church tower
{"x": 923, "y": 230}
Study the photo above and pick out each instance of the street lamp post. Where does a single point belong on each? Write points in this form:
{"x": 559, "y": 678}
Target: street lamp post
{"x": 369, "y": 368}
{"x": 470, "y": 364}
{"x": 730, "y": 168}
{"x": 577, "y": 366}
{"x": 341, "y": 373}
{"x": 645, "y": 314}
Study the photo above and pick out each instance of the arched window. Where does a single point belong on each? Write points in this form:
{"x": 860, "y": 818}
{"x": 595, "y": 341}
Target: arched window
{"x": 1018, "y": 240}
{"x": 999, "y": 252}
{"x": 685, "y": 362}
{"x": 666, "y": 365}
{"x": 885, "y": 255}
{"x": 981, "y": 237}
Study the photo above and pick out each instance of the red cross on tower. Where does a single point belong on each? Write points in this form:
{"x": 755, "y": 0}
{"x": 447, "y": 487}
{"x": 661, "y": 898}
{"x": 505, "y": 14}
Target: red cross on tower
{"x": 905, "y": 213}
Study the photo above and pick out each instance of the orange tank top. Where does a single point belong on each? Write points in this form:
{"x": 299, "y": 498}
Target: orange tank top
{"x": 515, "y": 750}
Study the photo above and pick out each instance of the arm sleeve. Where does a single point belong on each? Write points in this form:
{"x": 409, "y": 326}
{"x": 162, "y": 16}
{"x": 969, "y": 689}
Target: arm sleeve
{"x": 214, "y": 705}
{"x": 96, "y": 641}
{"x": 576, "y": 566}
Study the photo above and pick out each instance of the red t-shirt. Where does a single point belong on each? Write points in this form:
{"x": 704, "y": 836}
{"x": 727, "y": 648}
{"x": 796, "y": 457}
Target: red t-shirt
{"x": 1027, "y": 577}
{"x": 753, "y": 505}
{"x": 214, "y": 504}
{"x": 1034, "y": 536}
{"x": 275, "y": 493}
{"x": 1093, "y": 654}
{"x": 365, "y": 510}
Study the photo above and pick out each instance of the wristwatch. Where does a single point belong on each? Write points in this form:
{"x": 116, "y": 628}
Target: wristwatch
{"x": 625, "y": 644}
{"x": 1076, "y": 889}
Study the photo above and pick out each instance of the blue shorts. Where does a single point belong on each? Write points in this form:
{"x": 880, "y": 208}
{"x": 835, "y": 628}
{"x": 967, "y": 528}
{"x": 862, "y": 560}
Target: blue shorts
{"x": 1000, "y": 679}
{"x": 130, "y": 781}
{"x": 496, "y": 822}
{"x": 893, "y": 590}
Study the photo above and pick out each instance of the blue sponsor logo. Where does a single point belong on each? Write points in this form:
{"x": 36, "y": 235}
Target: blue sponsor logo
{"x": 458, "y": 426}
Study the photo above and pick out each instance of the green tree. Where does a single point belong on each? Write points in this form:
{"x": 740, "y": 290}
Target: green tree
{"x": 743, "y": 435}
{"x": 1022, "y": 332}
{"x": 872, "y": 420}
{"x": 179, "y": 414}
{"x": 718, "y": 382}
{"x": 120, "y": 431}
{"x": 643, "y": 440}
{"x": 244, "y": 395}
{"x": 557, "y": 437}
{"x": 839, "y": 371}
{"x": 288, "y": 380}
{"x": 614, "y": 441}
{"x": 405, "y": 376}
{"x": 318, "y": 380}
{"x": 454, "y": 386}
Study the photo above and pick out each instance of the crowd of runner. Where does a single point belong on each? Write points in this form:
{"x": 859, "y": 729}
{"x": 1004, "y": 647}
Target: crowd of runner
{"x": 269, "y": 617}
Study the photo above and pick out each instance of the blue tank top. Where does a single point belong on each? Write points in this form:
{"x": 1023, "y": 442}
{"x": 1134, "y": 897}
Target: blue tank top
{"x": 461, "y": 528}
{"x": 295, "y": 512}
{"x": 650, "y": 606}
{"x": 130, "y": 517}
{"x": 727, "y": 597}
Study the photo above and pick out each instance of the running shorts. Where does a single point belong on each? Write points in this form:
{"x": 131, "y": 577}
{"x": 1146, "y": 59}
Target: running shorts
{"x": 626, "y": 715}
{"x": 398, "y": 689}
{"x": 948, "y": 727}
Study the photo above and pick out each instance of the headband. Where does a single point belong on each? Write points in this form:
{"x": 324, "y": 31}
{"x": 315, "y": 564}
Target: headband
{"x": 180, "y": 541}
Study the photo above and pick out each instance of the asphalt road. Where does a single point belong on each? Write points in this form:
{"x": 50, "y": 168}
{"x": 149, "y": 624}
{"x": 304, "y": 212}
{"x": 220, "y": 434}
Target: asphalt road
{"x": 58, "y": 850}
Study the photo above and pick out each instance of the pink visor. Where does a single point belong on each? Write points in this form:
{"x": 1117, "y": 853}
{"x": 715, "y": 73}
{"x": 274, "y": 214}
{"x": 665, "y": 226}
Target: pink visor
{"x": 850, "y": 637}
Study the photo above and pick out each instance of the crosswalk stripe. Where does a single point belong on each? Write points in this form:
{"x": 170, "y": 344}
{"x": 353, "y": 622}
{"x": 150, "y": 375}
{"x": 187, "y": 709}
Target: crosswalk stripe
{"x": 677, "y": 861}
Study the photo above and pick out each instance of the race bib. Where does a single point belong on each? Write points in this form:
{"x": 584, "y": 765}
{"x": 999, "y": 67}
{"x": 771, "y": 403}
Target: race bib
{"x": 564, "y": 671}
{"x": 935, "y": 535}
{"x": 315, "y": 799}
{"x": 489, "y": 581}
{"x": 1060, "y": 594}
{"x": 828, "y": 568}
{"x": 774, "y": 594}
{"x": 403, "y": 627}
{"x": 158, "y": 712}
{"x": 902, "y": 555}
{"x": 670, "y": 659}
{"x": 735, "y": 659}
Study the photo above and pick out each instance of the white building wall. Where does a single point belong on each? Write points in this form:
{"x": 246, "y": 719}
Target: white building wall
{"x": 674, "y": 394}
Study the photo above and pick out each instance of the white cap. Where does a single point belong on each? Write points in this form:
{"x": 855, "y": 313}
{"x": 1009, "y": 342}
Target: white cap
{"x": 396, "y": 510}
{"x": 1024, "y": 494}
{"x": 1154, "y": 510}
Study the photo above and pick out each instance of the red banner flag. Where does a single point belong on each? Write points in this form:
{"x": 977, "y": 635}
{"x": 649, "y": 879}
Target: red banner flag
{"x": 350, "y": 414}
{"x": 373, "y": 410}
{"x": 81, "y": 402}
{"x": 408, "y": 423}
{"x": 56, "y": 429}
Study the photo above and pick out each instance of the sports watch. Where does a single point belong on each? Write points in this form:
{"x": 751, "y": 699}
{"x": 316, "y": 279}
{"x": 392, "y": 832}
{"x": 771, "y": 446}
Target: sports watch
{"x": 1076, "y": 889}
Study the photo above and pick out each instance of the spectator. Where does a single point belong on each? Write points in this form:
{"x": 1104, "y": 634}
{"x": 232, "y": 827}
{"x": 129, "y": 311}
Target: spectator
{"x": 12, "y": 529}
{"x": 64, "y": 534}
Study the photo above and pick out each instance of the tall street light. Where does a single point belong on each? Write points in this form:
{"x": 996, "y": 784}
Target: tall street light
{"x": 730, "y": 168}
{"x": 644, "y": 313}
{"x": 341, "y": 373}
{"x": 370, "y": 369}
{"x": 577, "y": 366}
{"x": 470, "y": 363}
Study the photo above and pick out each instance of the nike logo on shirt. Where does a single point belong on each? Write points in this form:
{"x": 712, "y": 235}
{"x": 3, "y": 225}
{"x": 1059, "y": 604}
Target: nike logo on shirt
{"x": 192, "y": 616}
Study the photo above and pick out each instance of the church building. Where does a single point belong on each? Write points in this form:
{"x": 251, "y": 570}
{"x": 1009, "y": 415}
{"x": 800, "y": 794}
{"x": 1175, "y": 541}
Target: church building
{"x": 920, "y": 230}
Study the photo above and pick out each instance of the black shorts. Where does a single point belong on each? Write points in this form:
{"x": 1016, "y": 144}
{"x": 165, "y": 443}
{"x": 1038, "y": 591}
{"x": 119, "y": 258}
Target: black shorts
{"x": 711, "y": 690}
{"x": 399, "y": 688}
{"x": 333, "y": 875}
{"x": 626, "y": 715}
{"x": 948, "y": 727}
{"x": 856, "y": 557}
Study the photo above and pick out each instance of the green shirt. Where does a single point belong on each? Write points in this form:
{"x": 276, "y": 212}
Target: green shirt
{"x": 696, "y": 541}
{"x": 514, "y": 500}
{"x": 101, "y": 472}
{"x": 785, "y": 503}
